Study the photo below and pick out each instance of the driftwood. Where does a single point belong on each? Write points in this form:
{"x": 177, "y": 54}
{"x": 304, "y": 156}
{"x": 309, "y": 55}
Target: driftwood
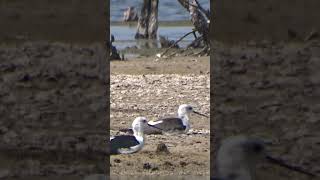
{"x": 197, "y": 43}
{"x": 148, "y": 20}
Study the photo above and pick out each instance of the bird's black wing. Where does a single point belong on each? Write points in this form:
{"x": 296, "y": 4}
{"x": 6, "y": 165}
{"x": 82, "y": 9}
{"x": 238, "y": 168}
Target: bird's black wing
{"x": 122, "y": 141}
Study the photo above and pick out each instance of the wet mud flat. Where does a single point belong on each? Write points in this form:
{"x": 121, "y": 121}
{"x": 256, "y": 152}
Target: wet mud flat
{"x": 147, "y": 64}
{"x": 270, "y": 90}
{"x": 156, "y": 93}
{"x": 52, "y": 111}
{"x": 245, "y": 20}
{"x": 66, "y": 21}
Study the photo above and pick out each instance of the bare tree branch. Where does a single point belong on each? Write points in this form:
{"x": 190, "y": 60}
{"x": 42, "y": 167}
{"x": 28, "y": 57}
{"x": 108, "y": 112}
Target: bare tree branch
{"x": 206, "y": 12}
{"x": 176, "y": 43}
{"x": 185, "y": 4}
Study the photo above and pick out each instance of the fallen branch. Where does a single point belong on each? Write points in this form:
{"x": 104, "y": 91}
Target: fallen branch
{"x": 195, "y": 43}
{"x": 173, "y": 45}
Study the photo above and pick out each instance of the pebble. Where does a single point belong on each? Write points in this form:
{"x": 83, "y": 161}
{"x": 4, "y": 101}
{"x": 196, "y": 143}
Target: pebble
{"x": 162, "y": 148}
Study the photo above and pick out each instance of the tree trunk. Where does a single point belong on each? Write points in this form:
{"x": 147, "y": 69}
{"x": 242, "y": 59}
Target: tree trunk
{"x": 197, "y": 18}
{"x": 199, "y": 21}
{"x": 148, "y": 20}
{"x": 153, "y": 20}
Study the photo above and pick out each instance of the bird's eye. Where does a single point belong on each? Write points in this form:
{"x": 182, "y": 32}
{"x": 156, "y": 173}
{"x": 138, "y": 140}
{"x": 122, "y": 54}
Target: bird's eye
{"x": 189, "y": 108}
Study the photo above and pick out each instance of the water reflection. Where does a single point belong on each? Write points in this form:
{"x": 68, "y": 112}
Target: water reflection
{"x": 124, "y": 36}
{"x": 173, "y": 32}
{"x": 142, "y": 44}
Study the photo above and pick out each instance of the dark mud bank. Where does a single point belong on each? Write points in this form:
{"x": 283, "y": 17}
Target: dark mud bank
{"x": 52, "y": 109}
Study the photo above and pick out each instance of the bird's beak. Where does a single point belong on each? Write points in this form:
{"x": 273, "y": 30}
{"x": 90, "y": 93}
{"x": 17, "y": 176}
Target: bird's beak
{"x": 282, "y": 163}
{"x": 154, "y": 127}
{"x": 201, "y": 114}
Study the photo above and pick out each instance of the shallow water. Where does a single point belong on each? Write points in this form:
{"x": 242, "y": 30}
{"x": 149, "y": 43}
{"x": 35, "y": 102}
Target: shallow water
{"x": 124, "y": 36}
{"x": 169, "y": 10}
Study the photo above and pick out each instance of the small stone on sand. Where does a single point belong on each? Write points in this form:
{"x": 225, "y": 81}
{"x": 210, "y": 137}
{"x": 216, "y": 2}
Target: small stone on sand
{"x": 162, "y": 148}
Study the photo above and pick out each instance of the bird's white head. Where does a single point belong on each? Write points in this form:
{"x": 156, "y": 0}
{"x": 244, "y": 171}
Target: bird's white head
{"x": 183, "y": 112}
{"x": 138, "y": 124}
{"x": 185, "y": 109}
